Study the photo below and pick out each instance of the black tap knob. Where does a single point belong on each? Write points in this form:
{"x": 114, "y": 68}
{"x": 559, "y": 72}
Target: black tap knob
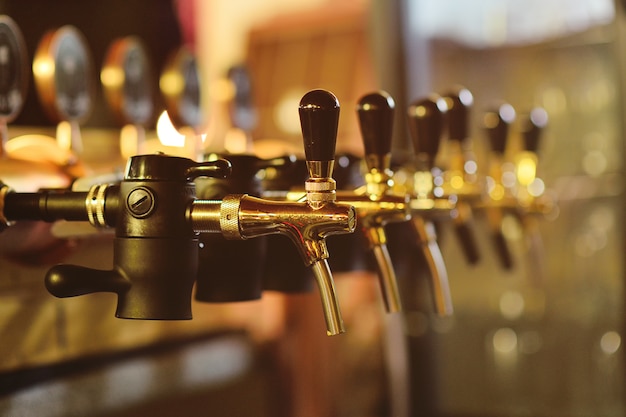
{"x": 497, "y": 122}
{"x": 533, "y": 125}
{"x": 375, "y": 111}
{"x": 426, "y": 123}
{"x": 459, "y": 103}
{"x": 319, "y": 119}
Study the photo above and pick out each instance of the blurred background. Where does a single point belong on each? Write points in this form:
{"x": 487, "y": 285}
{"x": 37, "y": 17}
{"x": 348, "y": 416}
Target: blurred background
{"x": 542, "y": 338}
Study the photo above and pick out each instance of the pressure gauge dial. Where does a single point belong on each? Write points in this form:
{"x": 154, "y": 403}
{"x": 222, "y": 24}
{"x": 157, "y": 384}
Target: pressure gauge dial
{"x": 180, "y": 86}
{"x": 63, "y": 73}
{"x": 13, "y": 70}
{"x": 127, "y": 80}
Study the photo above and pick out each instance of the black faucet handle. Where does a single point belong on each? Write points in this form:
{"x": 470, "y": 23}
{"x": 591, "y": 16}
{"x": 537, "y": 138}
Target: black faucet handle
{"x": 375, "y": 111}
{"x": 426, "y": 122}
{"x": 173, "y": 168}
{"x": 319, "y": 119}
{"x": 532, "y": 126}
{"x": 497, "y": 122}
{"x": 459, "y": 101}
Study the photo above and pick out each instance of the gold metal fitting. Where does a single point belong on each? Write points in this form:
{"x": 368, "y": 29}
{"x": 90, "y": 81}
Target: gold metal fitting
{"x": 94, "y": 203}
{"x": 4, "y": 190}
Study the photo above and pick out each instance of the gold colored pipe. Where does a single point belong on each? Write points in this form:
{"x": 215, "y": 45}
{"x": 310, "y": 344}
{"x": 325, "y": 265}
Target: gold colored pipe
{"x": 330, "y": 304}
{"x": 438, "y": 273}
{"x": 387, "y": 277}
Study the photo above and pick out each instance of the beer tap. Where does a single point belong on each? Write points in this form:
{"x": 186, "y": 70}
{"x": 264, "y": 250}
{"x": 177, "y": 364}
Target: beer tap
{"x": 375, "y": 203}
{"x": 530, "y": 192}
{"x": 426, "y": 122}
{"x": 461, "y": 178}
{"x": 307, "y": 222}
{"x": 157, "y": 217}
{"x": 500, "y": 195}
{"x": 531, "y": 200}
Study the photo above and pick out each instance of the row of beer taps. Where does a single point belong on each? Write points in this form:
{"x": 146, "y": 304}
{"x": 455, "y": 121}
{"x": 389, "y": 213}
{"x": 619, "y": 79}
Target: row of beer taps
{"x": 168, "y": 211}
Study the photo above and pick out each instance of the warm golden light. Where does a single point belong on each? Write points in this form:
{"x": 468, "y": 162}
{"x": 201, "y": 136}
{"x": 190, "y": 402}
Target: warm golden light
{"x": 43, "y": 67}
{"x": 457, "y": 182}
{"x": 497, "y": 192}
{"x": 167, "y": 133}
{"x": 112, "y": 77}
{"x": 286, "y": 114}
{"x": 172, "y": 83}
{"x": 223, "y": 90}
{"x": 64, "y": 135}
{"x": 526, "y": 169}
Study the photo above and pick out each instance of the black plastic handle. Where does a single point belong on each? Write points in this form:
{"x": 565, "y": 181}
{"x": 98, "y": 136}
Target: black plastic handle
{"x": 426, "y": 122}
{"x": 72, "y": 280}
{"x": 172, "y": 168}
{"x": 375, "y": 111}
{"x": 532, "y": 127}
{"x": 497, "y": 122}
{"x": 319, "y": 119}
{"x": 459, "y": 102}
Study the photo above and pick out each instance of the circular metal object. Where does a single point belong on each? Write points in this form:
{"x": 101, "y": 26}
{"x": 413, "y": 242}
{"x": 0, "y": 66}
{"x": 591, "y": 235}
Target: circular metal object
{"x": 95, "y": 201}
{"x": 13, "y": 69}
{"x": 229, "y": 216}
{"x": 180, "y": 85}
{"x": 63, "y": 73}
{"x": 127, "y": 80}
{"x": 140, "y": 202}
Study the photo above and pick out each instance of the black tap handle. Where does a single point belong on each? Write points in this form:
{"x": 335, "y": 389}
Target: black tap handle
{"x": 426, "y": 121}
{"x": 497, "y": 122}
{"x": 72, "y": 280}
{"x": 375, "y": 111}
{"x": 155, "y": 167}
{"x": 532, "y": 127}
{"x": 319, "y": 119}
{"x": 459, "y": 102}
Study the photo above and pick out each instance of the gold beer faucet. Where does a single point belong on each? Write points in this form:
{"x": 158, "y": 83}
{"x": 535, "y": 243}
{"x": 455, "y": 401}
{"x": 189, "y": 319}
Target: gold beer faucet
{"x": 375, "y": 202}
{"x": 530, "y": 192}
{"x": 306, "y": 222}
{"x": 461, "y": 178}
{"x": 428, "y": 203}
{"x": 500, "y": 181}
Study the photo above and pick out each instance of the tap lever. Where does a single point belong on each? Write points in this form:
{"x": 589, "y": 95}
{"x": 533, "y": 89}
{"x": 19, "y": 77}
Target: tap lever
{"x": 426, "y": 122}
{"x": 319, "y": 119}
{"x": 532, "y": 127}
{"x": 375, "y": 111}
{"x": 70, "y": 281}
{"x": 459, "y": 101}
{"x": 497, "y": 122}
